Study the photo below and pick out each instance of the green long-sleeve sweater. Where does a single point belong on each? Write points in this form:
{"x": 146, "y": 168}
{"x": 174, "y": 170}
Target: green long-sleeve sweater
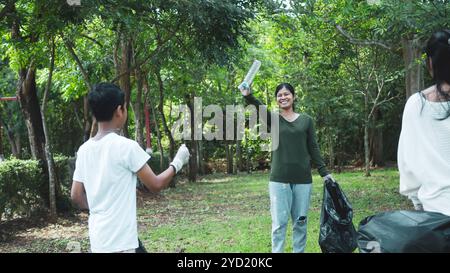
{"x": 297, "y": 149}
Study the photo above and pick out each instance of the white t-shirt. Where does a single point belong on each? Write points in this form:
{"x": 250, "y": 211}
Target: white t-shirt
{"x": 107, "y": 167}
{"x": 424, "y": 154}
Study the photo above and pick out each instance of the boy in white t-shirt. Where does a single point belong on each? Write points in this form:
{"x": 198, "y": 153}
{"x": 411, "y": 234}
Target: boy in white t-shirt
{"x": 107, "y": 165}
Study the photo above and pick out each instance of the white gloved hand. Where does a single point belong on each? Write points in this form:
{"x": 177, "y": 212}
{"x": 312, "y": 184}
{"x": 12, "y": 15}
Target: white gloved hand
{"x": 181, "y": 158}
{"x": 328, "y": 176}
{"x": 245, "y": 89}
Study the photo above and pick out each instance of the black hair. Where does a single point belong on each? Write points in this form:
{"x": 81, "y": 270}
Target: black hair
{"x": 438, "y": 51}
{"x": 285, "y": 85}
{"x": 289, "y": 87}
{"x": 104, "y": 99}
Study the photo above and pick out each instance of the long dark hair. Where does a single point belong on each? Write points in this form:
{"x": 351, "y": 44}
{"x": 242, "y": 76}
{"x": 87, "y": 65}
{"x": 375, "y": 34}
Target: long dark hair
{"x": 438, "y": 51}
{"x": 290, "y": 88}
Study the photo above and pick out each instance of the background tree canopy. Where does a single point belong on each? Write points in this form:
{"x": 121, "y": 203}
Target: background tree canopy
{"x": 353, "y": 64}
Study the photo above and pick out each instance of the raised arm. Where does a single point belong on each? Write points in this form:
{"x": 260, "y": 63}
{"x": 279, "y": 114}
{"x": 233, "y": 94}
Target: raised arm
{"x": 156, "y": 183}
{"x": 250, "y": 99}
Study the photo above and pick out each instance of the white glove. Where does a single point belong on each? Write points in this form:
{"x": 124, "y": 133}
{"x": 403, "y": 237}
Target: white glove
{"x": 244, "y": 88}
{"x": 181, "y": 158}
{"x": 328, "y": 176}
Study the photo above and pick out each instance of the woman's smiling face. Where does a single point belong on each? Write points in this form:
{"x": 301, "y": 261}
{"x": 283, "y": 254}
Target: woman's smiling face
{"x": 285, "y": 99}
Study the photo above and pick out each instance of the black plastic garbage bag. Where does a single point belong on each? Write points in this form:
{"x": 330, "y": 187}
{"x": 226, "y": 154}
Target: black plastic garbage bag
{"x": 405, "y": 232}
{"x": 337, "y": 233}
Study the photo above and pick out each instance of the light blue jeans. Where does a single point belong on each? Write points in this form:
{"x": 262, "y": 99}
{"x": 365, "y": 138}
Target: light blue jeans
{"x": 286, "y": 200}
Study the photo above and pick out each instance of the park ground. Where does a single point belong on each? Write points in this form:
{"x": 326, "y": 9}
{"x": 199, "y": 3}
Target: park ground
{"x": 219, "y": 213}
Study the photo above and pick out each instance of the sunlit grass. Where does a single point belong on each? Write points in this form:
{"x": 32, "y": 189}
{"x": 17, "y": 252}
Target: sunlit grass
{"x": 231, "y": 213}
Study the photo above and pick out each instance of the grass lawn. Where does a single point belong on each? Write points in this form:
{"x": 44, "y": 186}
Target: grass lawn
{"x": 231, "y": 213}
{"x": 220, "y": 213}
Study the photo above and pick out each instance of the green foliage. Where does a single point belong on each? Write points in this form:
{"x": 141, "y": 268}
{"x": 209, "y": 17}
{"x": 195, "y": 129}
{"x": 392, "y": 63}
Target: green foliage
{"x": 64, "y": 166}
{"x": 19, "y": 186}
{"x": 154, "y": 163}
{"x": 204, "y": 48}
{"x": 20, "y": 182}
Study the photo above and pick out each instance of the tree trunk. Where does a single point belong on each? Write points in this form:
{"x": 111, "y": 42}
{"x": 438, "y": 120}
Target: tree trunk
{"x": 86, "y": 119}
{"x": 77, "y": 117}
{"x": 138, "y": 108}
{"x": 376, "y": 147}
{"x": 48, "y": 154}
{"x": 14, "y": 140}
{"x": 366, "y": 134}
{"x": 248, "y": 163}
{"x": 94, "y": 127}
{"x": 201, "y": 162}
{"x": 366, "y": 149}
{"x": 18, "y": 144}
{"x": 116, "y": 55}
{"x": 376, "y": 142}
{"x": 239, "y": 156}
{"x": 193, "y": 167}
{"x": 161, "y": 112}
{"x": 29, "y": 103}
{"x": 158, "y": 136}
{"x": 235, "y": 163}
{"x": 125, "y": 78}
{"x": 414, "y": 73}
{"x": 231, "y": 159}
{"x": 15, "y": 146}
{"x": 229, "y": 153}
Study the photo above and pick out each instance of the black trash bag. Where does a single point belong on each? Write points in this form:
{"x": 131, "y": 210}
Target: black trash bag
{"x": 405, "y": 232}
{"x": 337, "y": 232}
{"x": 140, "y": 248}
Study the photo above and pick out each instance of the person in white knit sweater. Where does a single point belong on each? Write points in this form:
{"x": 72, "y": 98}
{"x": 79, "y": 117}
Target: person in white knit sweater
{"x": 424, "y": 145}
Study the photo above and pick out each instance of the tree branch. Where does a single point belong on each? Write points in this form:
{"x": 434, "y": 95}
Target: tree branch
{"x": 159, "y": 49}
{"x": 50, "y": 75}
{"x": 362, "y": 42}
{"x": 92, "y": 39}
{"x": 9, "y": 7}
{"x": 69, "y": 47}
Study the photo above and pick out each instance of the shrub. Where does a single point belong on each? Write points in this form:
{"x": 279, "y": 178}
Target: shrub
{"x": 21, "y": 181}
{"x": 19, "y": 186}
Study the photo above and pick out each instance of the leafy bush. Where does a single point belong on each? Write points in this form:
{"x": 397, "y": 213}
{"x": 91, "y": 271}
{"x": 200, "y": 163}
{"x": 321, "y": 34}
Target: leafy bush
{"x": 64, "y": 167}
{"x": 22, "y": 180}
{"x": 19, "y": 186}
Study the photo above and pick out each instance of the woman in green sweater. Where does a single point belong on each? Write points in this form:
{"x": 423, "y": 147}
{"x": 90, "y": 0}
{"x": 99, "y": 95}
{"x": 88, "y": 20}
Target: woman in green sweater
{"x": 290, "y": 177}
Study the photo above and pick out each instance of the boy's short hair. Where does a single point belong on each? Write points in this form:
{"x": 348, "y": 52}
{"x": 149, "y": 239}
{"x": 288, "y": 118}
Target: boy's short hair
{"x": 104, "y": 99}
